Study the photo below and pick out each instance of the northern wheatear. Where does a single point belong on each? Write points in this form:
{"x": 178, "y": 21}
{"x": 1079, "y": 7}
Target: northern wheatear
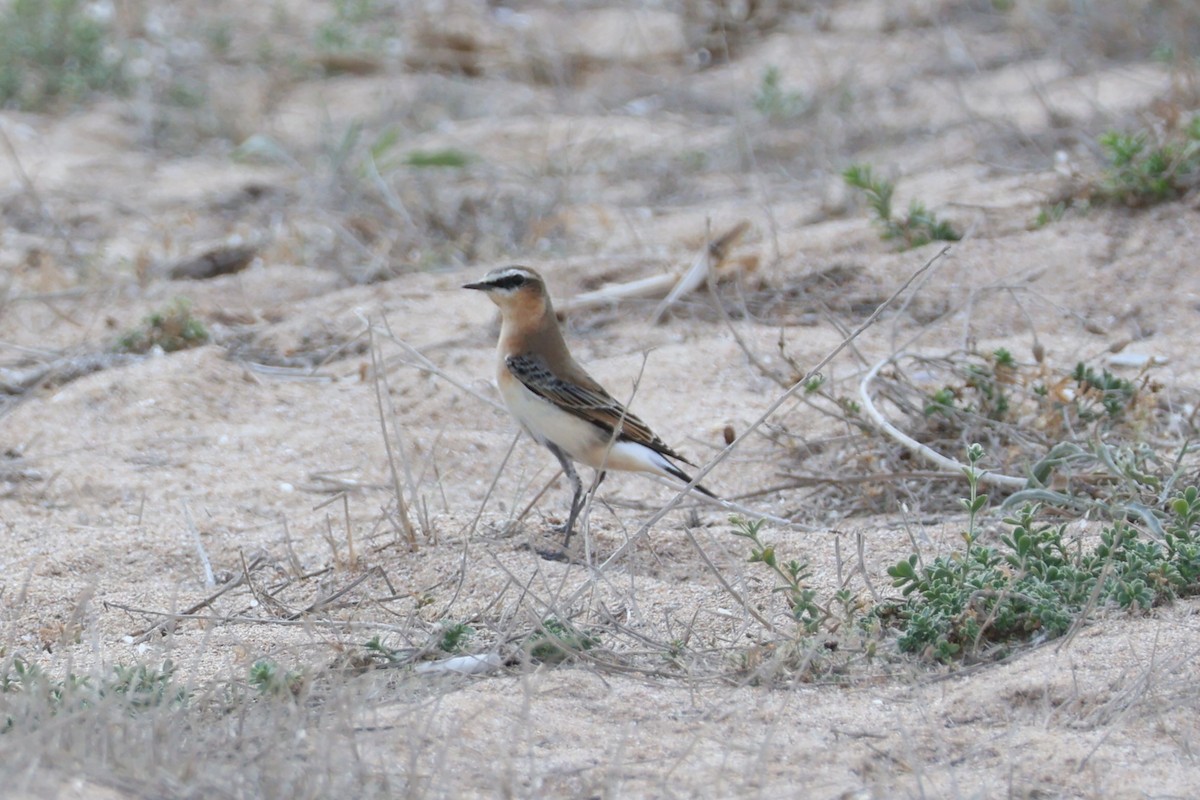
{"x": 556, "y": 401}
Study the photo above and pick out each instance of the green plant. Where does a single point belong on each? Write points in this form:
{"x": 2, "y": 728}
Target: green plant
{"x": 173, "y": 328}
{"x": 454, "y": 637}
{"x": 354, "y": 27}
{"x": 381, "y": 152}
{"x": 940, "y": 402}
{"x": 272, "y": 680}
{"x": 1114, "y": 394}
{"x": 984, "y": 600}
{"x": 146, "y": 686}
{"x": 984, "y": 390}
{"x": 1139, "y": 173}
{"x": 140, "y": 687}
{"x": 378, "y": 651}
{"x": 793, "y": 574}
{"x": 52, "y": 50}
{"x": 1048, "y": 214}
{"x": 773, "y": 102}
{"x": 919, "y": 226}
{"x": 557, "y": 641}
{"x": 438, "y": 158}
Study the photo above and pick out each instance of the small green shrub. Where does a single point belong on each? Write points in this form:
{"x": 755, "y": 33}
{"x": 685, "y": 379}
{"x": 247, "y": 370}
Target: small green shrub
{"x": 557, "y": 641}
{"x": 919, "y": 226}
{"x": 454, "y": 637}
{"x": 1140, "y": 173}
{"x": 1049, "y": 213}
{"x": 141, "y": 687}
{"x": 792, "y": 575}
{"x": 988, "y": 384}
{"x": 54, "y": 50}
{"x": 774, "y": 102}
{"x": 173, "y": 328}
{"x": 438, "y": 158}
{"x": 983, "y": 601}
{"x": 1113, "y": 394}
{"x": 272, "y": 680}
{"x": 993, "y": 398}
{"x": 356, "y": 26}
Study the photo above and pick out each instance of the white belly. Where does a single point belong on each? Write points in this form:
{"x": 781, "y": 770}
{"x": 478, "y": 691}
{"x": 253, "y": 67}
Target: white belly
{"x": 578, "y": 438}
{"x": 549, "y": 424}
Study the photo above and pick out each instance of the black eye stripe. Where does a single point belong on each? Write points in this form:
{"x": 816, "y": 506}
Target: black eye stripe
{"x": 509, "y": 281}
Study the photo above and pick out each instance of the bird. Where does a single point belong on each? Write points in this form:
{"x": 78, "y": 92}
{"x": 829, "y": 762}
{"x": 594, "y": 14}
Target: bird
{"x": 557, "y": 402}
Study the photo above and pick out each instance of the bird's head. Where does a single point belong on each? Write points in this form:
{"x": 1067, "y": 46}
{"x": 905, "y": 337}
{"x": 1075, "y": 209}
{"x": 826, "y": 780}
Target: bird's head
{"x": 517, "y": 290}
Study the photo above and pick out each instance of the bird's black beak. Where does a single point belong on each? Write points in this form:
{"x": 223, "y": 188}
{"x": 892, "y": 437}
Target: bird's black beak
{"x": 483, "y": 287}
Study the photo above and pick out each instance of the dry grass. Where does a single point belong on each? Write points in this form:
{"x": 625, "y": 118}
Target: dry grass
{"x": 366, "y": 151}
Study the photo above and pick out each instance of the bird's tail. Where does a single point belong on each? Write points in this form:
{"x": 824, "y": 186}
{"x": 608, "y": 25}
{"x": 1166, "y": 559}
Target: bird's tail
{"x": 676, "y": 472}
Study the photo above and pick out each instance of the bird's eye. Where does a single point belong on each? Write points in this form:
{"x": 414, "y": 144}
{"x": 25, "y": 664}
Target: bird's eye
{"x": 510, "y": 281}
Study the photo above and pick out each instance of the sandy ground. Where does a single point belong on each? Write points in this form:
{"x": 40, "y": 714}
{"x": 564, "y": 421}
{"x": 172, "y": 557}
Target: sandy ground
{"x": 609, "y": 169}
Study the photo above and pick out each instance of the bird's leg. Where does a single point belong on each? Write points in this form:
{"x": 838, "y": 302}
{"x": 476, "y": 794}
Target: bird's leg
{"x": 576, "y": 489}
{"x": 600, "y": 476}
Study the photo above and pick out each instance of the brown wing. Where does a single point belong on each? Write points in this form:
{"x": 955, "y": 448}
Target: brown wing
{"x": 587, "y": 400}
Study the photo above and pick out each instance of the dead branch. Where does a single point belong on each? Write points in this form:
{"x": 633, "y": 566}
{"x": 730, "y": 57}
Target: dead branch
{"x": 673, "y": 284}
{"x": 926, "y": 452}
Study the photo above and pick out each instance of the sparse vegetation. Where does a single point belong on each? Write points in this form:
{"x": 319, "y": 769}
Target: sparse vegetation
{"x": 355, "y": 28}
{"x": 1144, "y": 169}
{"x": 792, "y": 574}
{"x": 338, "y": 550}
{"x": 30, "y": 697}
{"x": 1049, "y": 214}
{"x": 556, "y": 641}
{"x": 54, "y": 50}
{"x": 1024, "y": 411}
{"x": 984, "y": 601}
{"x": 917, "y": 227}
{"x": 437, "y": 158}
{"x": 270, "y": 679}
{"x": 173, "y": 328}
{"x": 455, "y": 637}
{"x": 774, "y": 102}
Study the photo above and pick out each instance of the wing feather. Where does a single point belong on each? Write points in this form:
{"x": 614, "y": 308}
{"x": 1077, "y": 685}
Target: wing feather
{"x": 587, "y": 400}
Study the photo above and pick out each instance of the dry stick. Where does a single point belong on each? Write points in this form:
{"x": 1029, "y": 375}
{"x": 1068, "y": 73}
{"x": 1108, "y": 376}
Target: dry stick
{"x": 754, "y": 360}
{"x": 243, "y": 619}
{"x": 529, "y": 507}
{"x": 732, "y": 505}
{"x": 405, "y": 461}
{"x": 406, "y": 524}
{"x": 706, "y": 262}
{"x": 841, "y": 480}
{"x": 1028, "y": 276}
{"x": 353, "y": 555}
{"x": 293, "y": 559}
{"x": 31, "y": 190}
{"x": 209, "y": 580}
{"x": 925, "y": 451}
{"x": 469, "y": 529}
{"x": 770, "y": 410}
{"x": 266, "y": 601}
{"x": 859, "y": 541}
{"x": 144, "y": 635}
{"x": 741, "y": 601}
{"x": 427, "y": 366}
{"x": 321, "y": 603}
